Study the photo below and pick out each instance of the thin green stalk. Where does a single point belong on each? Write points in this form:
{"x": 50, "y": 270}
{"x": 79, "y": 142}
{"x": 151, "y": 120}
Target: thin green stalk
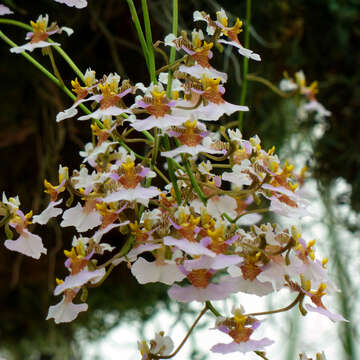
{"x": 147, "y": 184}
{"x": 156, "y": 147}
{"x": 67, "y": 58}
{"x": 139, "y": 31}
{"x": 16, "y": 23}
{"x": 172, "y": 171}
{"x": 161, "y": 174}
{"x": 270, "y": 85}
{"x": 148, "y": 135}
{"x": 153, "y": 356}
{"x": 166, "y": 141}
{"x": 297, "y": 300}
{"x": 124, "y": 250}
{"x": 212, "y": 309}
{"x": 245, "y": 62}
{"x": 53, "y": 64}
{"x": 149, "y": 41}
{"x": 173, "y": 49}
{"x": 193, "y": 180}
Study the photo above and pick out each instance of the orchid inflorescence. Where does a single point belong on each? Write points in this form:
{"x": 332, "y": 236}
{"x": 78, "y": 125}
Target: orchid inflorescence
{"x": 201, "y": 223}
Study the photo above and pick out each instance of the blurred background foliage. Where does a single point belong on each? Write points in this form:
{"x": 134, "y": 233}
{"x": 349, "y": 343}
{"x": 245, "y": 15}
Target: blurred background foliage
{"x": 321, "y": 37}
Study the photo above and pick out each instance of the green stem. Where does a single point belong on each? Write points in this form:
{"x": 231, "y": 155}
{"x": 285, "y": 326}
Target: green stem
{"x": 173, "y": 49}
{"x": 108, "y": 272}
{"x": 147, "y": 184}
{"x": 149, "y": 41}
{"x": 172, "y": 171}
{"x": 162, "y": 175}
{"x": 124, "y": 250}
{"x": 153, "y": 356}
{"x": 152, "y": 71}
{"x": 53, "y": 64}
{"x": 193, "y": 180}
{"x": 148, "y": 135}
{"x": 5, "y": 219}
{"x": 16, "y": 23}
{"x": 156, "y": 147}
{"x": 212, "y": 309}
{"x": 67, "y": 58}
{"x": 166, "y": 141}
{"x": 245, "y": 62}
{"x": 255, "y": 211}
{"x": 269, "y": 84}
{"x": 298, "y": 299}
{"x": 140, "y": 33}
{"x": 261, "y": 354}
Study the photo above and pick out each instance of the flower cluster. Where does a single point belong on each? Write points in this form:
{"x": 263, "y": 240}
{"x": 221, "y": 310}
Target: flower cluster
{"x": 201, "y": 224}
{"x": 309, "y": 104}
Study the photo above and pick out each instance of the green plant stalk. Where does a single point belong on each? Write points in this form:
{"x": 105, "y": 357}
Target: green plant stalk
{"x": 193, "y": 180}
{"x": 149, "y": 41}
{"x": 298, "y": 300}
{"x": 245, "y": 62}
{"x": 139, "y": 31}
{"x": 53, "y": 64}
{"x": 64, "y": 55}
{"x": 166, "y": 141}
{"x": 172, "y": 171}
{"x": 67, "y": 58}
{"x": 269, "y": 84}
{"x": 212, "y": 309}
{"x": 155, "y": 147}
{"x": 154, "y": 356}
{"x": 147, "y": 184}
{"x": 124, "y": 250}
{"x": 173, "y": 50}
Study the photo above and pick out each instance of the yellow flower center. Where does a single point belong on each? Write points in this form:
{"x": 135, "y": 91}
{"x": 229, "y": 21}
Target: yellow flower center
{"x": 158, "y": 96}
{"x": 211, "y": 84}
{"x": 109, "y": 89}
{"x": 39, "y": 26}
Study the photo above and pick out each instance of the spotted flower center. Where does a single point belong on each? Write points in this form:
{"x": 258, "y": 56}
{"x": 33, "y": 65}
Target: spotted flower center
{"x": 80, "y": 91}
{"x": 200, "y": 278}
{"x": 190, "y": 135}
{"x": 130, "y": 178}
{"x": 211, "y": 90}
{"x": 159, "y": 106}
{"x": 241, "y": 334}
{"x": 39, "y": 31}
{"x": 110, "y": 94}
{"x": 77, "y": 259}
{"x": 218, "y": 244}
{"x": 202, "y": 55}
